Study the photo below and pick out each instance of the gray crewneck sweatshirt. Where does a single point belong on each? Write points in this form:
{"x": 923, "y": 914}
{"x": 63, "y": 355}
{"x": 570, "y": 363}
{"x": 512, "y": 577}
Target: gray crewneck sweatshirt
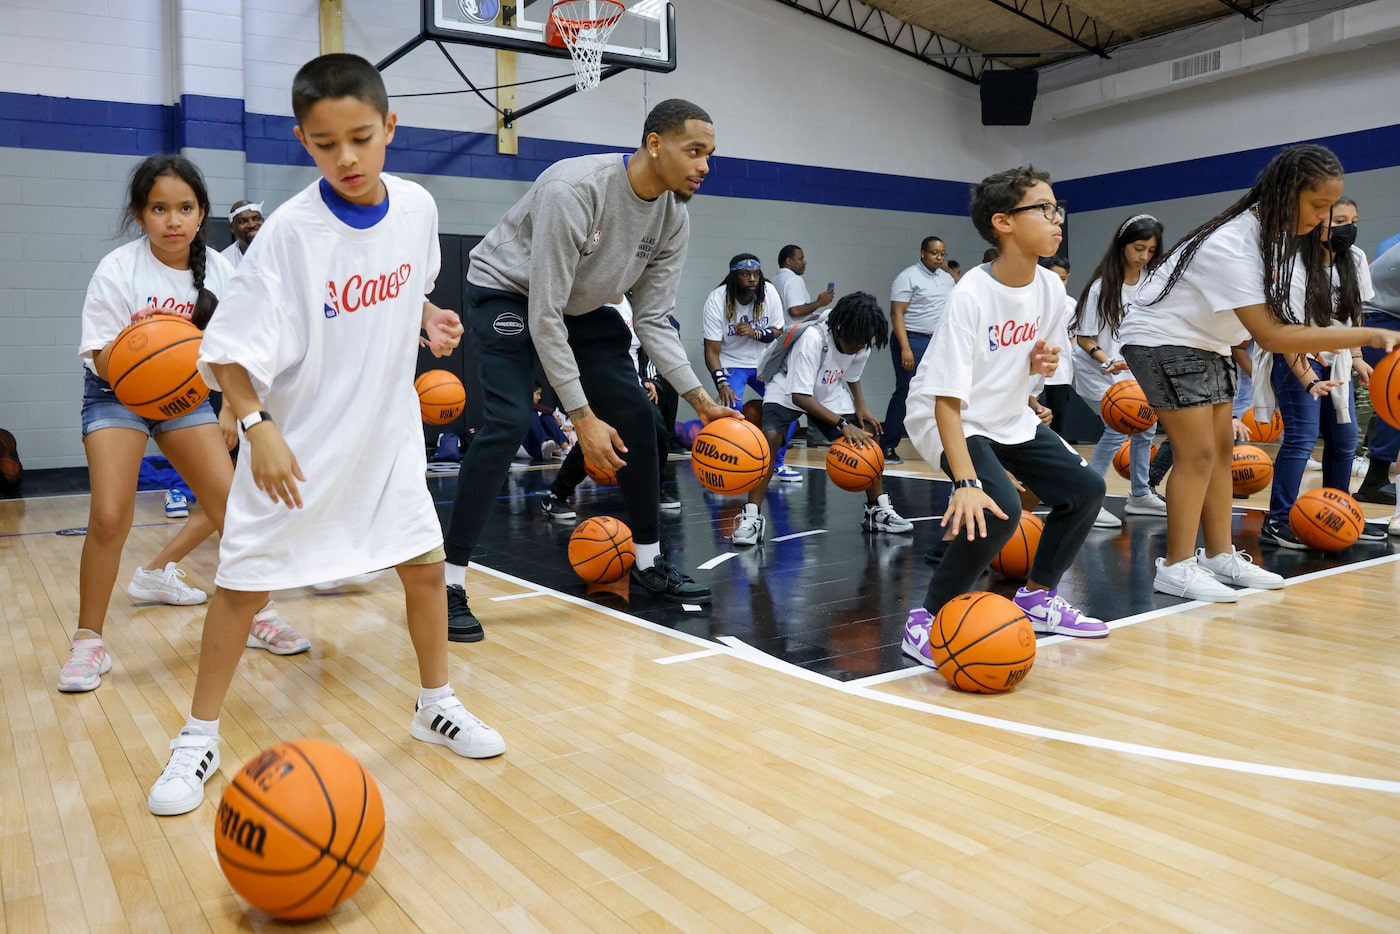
{"x": 579, "y": 239}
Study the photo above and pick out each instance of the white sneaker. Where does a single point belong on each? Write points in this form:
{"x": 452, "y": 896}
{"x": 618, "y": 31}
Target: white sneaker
{"x": 1148, "y": 504}
{"x": 177, "y": 504}
{"x": 881, "y": 517}
{"x": 1395, "y": 526}
{"x": 1239, "y": 570}
{"x": 344, "y": 583}
{"x": 273, "y": 633}
{"x": 447, "y": 723}
{"x": 1314, "y": 463}
{"x": 751, "y": 527}
{"x": 788, "y": 474}
{"x": 1107, "y": 520}
{"x": 1360, "y": 466}
{"x": 180, "y": 788}
{"x": 1188, "y": 579}
{"x": 165, "y": 586}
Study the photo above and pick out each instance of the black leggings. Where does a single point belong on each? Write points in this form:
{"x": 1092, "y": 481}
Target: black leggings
{"x": 1054, "y": 472}
{"x": 497, "y": 326}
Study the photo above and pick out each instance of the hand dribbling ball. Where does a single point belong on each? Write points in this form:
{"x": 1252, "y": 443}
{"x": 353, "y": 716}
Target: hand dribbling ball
{"x": 730, "y": 456}
{"x": 151, "y": 367}
{"x": 603, "y": 476}
{"x": 1250, "y": 470}
{"x": 299, "y": 829}
{"x": 441, "y": 396}
{"x": 852, "y": 468}
{"x": 982, "y": 643}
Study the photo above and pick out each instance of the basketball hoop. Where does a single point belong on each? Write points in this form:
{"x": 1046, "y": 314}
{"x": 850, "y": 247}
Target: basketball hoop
{"x": 583, "y": 27}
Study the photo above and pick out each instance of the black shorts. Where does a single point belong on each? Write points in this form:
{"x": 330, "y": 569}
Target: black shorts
{"x": 1182, "y": 377}
{"x": 779, "y": 418}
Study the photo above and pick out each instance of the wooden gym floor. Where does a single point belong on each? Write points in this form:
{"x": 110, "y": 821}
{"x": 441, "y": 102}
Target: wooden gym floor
{"x": 768, "y": 764}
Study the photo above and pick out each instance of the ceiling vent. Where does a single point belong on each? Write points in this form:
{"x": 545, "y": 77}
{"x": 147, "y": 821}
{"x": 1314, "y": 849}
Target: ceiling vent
{"x": 1194, "y": 65}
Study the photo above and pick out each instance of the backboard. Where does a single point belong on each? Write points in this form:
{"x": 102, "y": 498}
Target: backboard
{"x": 645, "y": 37}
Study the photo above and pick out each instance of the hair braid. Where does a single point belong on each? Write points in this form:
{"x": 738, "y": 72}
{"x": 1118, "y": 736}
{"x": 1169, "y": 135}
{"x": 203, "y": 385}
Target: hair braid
{"x": 206, "y": 301}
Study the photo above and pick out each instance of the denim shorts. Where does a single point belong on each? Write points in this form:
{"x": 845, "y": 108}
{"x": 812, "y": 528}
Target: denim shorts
{"x": 1182, "y": 377}
{"x": 102, "y": 410}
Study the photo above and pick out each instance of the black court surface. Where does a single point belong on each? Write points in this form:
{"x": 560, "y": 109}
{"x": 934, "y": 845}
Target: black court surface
{"x": 820, "y": 593}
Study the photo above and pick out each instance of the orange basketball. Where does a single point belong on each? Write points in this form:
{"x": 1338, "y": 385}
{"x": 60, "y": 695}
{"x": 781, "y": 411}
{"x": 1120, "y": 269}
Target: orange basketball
{"x": 600, "y": 550}
{"x": 753, "y": 411}
{"x": 1385, "y": 389}
{"x": 603, "y": 476}
{"x": 1122, "y": 460}
{"x": 730, "y": 455}
{"x": 151, "y": 367}
{"x": 1250, "y": 469}
{"x": 854, "y": 468}
{"x": 1125, "y": 408}
{"x": 1263, "y": 432}
{"x": 1326, "y": 519}
{"x": 441, "y": 396}
{"x": 982, "y": 643}
{"x": 299, "y": 828}
{"x": 1015, "y": 557}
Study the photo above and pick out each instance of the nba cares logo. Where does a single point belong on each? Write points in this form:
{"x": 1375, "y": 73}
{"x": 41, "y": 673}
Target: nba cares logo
{"x": 482, "y": 12}
{"x": 1011, "y": 333}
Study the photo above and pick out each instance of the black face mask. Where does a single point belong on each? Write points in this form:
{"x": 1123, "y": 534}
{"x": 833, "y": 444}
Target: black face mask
{"x": 1341, "y": 238}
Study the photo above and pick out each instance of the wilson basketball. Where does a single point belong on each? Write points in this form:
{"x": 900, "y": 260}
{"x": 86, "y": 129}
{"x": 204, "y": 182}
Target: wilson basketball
{"x": 299, "y": 829}
{"x": 1385, "y": 389}
{"x": 753, "y": 411}
{"x": 1263, "y": 432}
{"x": 1122, "y": 461}
{"x": 603, "y": 476}
{"x": 730, "y": 455}
{"x": 1125, "y": 408}
{"x": 441, "y": 396}
{"x": 1016, "y": 556}
{"x": 854, "y": 468}
{"x": 600, "y": 550}
{"x": 982, "y": 643}
{"x": 1250, "y": 469}
{"x": 151, "y": 367}
{"x": 1326, "y": 519}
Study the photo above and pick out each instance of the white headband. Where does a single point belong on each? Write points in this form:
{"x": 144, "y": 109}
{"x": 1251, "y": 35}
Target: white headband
{"x": 1133, "y": 220}
{"x": 250, "y": 206}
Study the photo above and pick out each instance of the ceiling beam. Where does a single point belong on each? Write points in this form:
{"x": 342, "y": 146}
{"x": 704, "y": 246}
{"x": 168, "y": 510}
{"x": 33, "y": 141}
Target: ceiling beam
{"x": 1087, "y": 29}
{"x": 1243, "y": 11}
{"x": 888, "y": 30}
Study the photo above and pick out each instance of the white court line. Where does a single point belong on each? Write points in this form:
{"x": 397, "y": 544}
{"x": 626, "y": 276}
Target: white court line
{"x": 520, "y": 596}
{"x": 745, "y": 651}
{"x": 785, "y": 538}
{"x": 716, "y": 561}
{"x": 690, "y": 656}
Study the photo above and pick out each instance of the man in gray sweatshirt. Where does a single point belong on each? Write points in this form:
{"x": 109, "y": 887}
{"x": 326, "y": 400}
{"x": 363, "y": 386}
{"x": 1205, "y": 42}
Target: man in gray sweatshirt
{"x": 588, "y": 230}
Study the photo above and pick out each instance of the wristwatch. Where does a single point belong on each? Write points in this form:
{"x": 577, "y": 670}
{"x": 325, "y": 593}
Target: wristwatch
{"x": 961, "y": 484}
{"x": 841, "y": 424}
{"x": 253, "y": 418}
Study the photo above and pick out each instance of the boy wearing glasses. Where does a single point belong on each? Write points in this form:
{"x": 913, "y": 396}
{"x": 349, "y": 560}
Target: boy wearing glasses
{"x": 972, "y": 410}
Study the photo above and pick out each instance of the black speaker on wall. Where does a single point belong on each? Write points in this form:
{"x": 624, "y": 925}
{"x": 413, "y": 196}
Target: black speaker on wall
{"x": 1008, "y": 97}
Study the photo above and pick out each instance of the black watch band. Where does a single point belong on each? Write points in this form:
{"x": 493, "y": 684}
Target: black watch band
{"x": 974, "y": 482}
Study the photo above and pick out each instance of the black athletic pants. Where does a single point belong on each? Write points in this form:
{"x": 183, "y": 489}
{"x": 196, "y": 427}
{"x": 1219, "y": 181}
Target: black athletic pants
{"x": 572, "y": 472}
{"x": 497, "y": 325}
{"x": 1054, "y": 472}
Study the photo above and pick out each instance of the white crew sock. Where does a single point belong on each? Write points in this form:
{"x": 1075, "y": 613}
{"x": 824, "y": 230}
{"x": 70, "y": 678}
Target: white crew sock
{"x": 198, "y": 727}
{"x": 647, "y": 554}
{"x": 456, "y": 574}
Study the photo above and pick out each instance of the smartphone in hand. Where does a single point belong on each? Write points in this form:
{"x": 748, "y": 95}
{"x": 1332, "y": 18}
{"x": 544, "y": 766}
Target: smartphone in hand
{"x": 831, "y": 287}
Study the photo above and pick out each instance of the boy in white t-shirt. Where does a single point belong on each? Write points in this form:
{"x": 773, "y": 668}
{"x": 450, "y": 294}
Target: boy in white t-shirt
{"x": 315, "y": 353}
{"x": 971, "y": 411}
{"x": 821, "y": 377}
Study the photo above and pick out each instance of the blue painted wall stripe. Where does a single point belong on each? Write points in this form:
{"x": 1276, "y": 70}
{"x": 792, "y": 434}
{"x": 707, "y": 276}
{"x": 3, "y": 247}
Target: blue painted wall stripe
{"x": 32, "y": 121}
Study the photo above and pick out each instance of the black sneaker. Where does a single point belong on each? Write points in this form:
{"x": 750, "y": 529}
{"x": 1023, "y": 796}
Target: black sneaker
{"x": 462, "y": 626}
{"x": 556, "y": 508}
{"x": 669, "y": 502}
{"x": 1383, "y": 495}
{"x": 1278, "y": 533}
{"x": 892, "y": 456}
{"x": 1373, "y": 533}
{"x": 664, "y": 580}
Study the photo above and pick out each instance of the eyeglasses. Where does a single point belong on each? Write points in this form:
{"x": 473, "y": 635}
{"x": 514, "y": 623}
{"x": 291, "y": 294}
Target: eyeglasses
{"x": 1049, "y": 209}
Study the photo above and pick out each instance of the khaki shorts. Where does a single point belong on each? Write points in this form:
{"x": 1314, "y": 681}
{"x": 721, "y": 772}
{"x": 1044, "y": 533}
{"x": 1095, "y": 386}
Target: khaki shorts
{"x": 431, "y": 557}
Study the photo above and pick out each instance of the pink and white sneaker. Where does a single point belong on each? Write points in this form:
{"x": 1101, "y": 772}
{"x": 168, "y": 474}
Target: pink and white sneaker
{"x": 272, "y": 632}
{"x": 87, "y": 662}
{"x": 1051, "y": 613}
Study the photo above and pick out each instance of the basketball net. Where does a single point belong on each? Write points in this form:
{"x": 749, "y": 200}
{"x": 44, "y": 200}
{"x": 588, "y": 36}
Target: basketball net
{"x": 584, "y": 26}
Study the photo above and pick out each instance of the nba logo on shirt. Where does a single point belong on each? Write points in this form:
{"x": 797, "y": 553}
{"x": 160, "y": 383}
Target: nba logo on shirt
{"x": 1011, "y": 333}
{"x": 331, "y": 308}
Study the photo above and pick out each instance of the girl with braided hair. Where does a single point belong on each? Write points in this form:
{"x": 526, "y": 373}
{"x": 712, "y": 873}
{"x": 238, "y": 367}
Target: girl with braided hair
{"x": 1227, "y": 281}
{"x": 171, "y": 270}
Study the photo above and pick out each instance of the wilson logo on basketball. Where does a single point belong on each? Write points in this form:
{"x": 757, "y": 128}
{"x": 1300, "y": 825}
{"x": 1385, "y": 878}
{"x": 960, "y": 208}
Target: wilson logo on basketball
{"x": 243, "y": 832}
{"x": 1011, "y": 333}
{"x": 360, "y": 292}
{"x": 844, "y": 456}
{"x": 706, "y": 449}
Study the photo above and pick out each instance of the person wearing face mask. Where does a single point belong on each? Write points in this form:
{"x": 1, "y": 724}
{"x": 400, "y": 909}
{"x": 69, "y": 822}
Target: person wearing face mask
{"x": 1383, "y": 311}
{"x": 1314, "y": 392}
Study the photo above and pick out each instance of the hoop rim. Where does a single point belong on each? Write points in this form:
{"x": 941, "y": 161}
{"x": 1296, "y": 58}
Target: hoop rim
{"x": 565, "y": 22}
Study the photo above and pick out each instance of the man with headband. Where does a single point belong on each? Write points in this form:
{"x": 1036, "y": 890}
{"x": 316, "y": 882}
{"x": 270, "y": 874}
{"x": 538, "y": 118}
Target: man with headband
{"x": 244, "y": 220}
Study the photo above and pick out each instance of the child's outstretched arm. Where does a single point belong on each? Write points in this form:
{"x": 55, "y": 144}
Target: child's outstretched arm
{"x": 968, "y": 503}
{"x": 1277, "y": 337}
{"x": 275, "y": 468}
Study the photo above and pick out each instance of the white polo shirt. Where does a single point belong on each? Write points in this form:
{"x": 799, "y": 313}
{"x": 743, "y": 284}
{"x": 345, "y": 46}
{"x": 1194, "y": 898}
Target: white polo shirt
{"x": 926, "y": 290}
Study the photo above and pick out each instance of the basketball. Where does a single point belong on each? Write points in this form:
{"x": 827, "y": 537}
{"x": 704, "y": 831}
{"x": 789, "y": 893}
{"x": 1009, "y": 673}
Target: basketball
{"x": 1263, "y": 432}
{"x": 852, "y": 468}
{"x": 1326, "y": 519}
{"x": 753, "y": 411}
{"x": 1385, "y": 389}
{"x": 441, "y": 396}
{"x": 600, "y": 550}
{"x": 1122, "y": 462}
{"x": 603, "y": 476}
{"x": 299, "y": 829}
{"x": 151, "y": 367}
{"x": 1015, "y": 557}
{"x": 982, "y": 643}
{"x": 1250, "y": 470}
{"x": 1125, "y": 408}
{"x": 730, "y": 455}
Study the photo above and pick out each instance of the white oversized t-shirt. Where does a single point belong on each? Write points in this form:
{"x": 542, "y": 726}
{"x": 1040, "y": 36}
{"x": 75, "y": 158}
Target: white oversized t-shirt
{"x": 981, "y": 356}
{"x": 1069, "y": 366}
{"x": 823, "y": 375}
{"x": 735, "y": 349}
{"x": 1298, "y": 290}
{"x": 1090, "y": 381}
{"x": 1226, "y": 273}
{"x": 233, "y": 254}
{"x": 130, "y": 280}
{"x": 793, "y": 289}
{"x": 325, "y": 318}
